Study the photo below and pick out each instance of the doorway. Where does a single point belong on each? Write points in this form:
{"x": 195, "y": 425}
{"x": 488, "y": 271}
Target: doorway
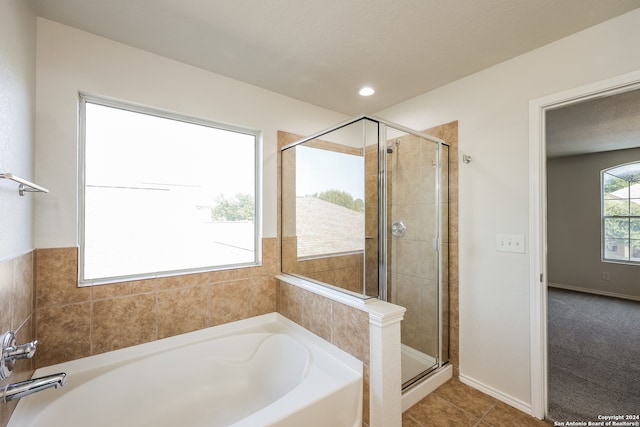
{"x": 539, "y": 226}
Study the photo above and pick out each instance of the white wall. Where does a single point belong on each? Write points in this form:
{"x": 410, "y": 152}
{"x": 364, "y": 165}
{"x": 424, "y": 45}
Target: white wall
{"x": 492, "y": 107}
{"x": 17, "y": 106}
{"x": 70, "y": 60}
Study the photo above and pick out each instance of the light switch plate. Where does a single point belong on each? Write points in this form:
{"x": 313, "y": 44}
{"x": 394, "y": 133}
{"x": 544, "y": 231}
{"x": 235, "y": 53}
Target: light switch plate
{"x": 510, "y": 243}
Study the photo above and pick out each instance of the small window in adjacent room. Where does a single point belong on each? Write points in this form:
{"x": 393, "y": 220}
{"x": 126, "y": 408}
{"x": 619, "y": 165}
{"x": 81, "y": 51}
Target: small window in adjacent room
{"x": 621, "y": 213}
{"x": 163, "y": 194}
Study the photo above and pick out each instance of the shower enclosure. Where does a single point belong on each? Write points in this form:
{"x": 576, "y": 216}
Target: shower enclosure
{"x": 364, "y": 210}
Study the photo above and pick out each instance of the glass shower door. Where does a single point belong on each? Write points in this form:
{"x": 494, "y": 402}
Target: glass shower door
{"x": 414, "y": 247}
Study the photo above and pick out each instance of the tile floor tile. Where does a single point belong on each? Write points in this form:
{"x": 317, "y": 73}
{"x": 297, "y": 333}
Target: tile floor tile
{"x": 503, "y": 415}
{"x": 465, "y": 397}
{"x": 435, "y": 411}
{"x": 457, "y": 404}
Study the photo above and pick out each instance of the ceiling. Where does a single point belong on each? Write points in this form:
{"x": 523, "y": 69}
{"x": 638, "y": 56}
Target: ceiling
{"x": 323, "y": 51}
{"x": 601, "y": 124}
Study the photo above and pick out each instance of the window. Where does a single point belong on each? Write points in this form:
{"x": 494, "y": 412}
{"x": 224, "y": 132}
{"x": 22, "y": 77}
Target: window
{"x": 621, "y": 213}
{"x": 163, "y": 194}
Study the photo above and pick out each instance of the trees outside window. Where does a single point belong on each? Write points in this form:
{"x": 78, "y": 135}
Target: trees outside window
{"x": 621, "y": 213}
{"x": 163, "y": 194}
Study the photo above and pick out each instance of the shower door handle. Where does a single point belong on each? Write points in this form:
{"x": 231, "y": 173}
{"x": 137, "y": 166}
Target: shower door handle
{"x": 398, "y": 229}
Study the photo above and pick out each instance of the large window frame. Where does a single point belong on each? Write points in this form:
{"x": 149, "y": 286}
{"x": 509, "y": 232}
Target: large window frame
{"x": 620, "y": 214}
{"x": 250, "y": 256}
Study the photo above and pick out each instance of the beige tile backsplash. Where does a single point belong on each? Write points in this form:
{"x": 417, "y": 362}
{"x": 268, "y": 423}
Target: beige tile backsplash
{"x": 16, "y": 314}
{"x": 72, "y": 322}
{"x": 344, "y": 326}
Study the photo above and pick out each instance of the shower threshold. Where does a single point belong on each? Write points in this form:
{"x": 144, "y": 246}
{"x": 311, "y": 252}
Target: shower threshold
{"x": 415, "y": 364}
{"x": 420, "y": 387}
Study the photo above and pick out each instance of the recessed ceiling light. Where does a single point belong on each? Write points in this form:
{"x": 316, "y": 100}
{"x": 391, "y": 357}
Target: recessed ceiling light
{"x": 366, "y": 91}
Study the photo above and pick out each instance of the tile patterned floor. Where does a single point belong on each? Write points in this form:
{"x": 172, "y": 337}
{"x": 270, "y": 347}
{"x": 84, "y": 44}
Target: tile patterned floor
{"x": 458, "y": 405}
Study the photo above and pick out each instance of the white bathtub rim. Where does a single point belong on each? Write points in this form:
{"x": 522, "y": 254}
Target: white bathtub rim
{"x": 267, "y": 323}
{"x": 81, "y": 370}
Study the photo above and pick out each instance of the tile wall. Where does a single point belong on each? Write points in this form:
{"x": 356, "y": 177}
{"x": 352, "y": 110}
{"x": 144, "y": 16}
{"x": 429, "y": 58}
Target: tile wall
{"x": 73, "y": 322}
{"x": 345, "y": 327}
{"x": 372, "y": 246}
{"x": 342, "y": 271}
{"x": 449, "y": 133}
{"x": 16, "y": 314}
{"x": 307, "y": 308}
{"x": 411, "y": 170}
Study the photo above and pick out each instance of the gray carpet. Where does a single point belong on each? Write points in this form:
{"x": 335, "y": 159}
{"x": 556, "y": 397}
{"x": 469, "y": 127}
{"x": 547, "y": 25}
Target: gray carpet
{"x": 594, "y": 356}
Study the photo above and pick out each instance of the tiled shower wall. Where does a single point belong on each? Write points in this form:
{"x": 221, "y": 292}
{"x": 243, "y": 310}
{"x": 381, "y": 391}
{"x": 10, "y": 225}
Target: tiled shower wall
{"x": 16, "y": 314}
{"x": 323, "y": 316}
{"x": 343, "y": 271}
{"x": 449, "y": 133}
{"x": 73, "y": 322}
{"x": 411, "y": 171}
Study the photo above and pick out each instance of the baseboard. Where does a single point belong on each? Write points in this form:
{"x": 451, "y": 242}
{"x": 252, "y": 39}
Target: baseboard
{"x": 509, "y": 400}
{"x": 593, "y": 291}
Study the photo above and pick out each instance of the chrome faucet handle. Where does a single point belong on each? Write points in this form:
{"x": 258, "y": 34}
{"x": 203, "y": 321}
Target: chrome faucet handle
{"x": 12, "y": 352}
{"x": 24, "y": 351}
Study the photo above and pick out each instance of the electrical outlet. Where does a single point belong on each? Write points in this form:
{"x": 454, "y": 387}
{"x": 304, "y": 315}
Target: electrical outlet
{"x": 605, "y": 275}
{"x": 510, "y": 243}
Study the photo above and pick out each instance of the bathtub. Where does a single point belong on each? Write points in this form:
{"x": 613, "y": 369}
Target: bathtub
{"x": 262, "y": 371}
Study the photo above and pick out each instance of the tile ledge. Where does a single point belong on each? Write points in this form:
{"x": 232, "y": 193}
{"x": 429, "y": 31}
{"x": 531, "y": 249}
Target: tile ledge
{"x": 381, "y": 313}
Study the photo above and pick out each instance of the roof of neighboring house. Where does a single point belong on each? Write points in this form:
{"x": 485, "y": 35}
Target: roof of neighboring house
{"x": 323, "y": 227}
{"x": 632, "y": 192}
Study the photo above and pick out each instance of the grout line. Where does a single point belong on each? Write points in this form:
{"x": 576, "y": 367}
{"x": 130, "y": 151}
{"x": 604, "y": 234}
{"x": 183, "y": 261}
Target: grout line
{"x": 209, "y": 318}
{"x": 487, "y": 413}
{"x": 415, "y": 420}
{"x": 91, "y": 326}
{"x": 123, "y": 295}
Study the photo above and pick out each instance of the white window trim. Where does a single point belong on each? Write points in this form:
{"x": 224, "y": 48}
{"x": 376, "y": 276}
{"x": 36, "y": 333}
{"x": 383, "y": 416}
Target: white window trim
{"x": 130, "y": 106}
{"x": 603, "y": 217}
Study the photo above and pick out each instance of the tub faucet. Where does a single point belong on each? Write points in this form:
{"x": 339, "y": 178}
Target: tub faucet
{"x": 9, "y": 353}
{"x": 25, "y": 388}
